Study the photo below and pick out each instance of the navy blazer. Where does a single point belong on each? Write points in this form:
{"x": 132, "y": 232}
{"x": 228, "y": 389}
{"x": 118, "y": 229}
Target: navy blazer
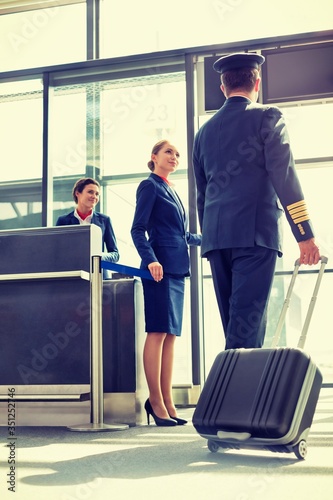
{"x": 160, "y": 215}
{"x": 108, "y": 237}
{"x": 246, "y": 178}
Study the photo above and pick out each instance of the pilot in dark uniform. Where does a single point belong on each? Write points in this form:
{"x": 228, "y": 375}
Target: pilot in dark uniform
{"x": 246, "y": 178}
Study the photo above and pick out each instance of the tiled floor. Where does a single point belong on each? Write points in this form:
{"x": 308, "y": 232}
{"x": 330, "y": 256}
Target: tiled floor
{"x": 153, "y": 463}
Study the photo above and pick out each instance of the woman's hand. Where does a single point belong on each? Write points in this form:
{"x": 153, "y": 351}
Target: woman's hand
{"x": 156, "y": 270}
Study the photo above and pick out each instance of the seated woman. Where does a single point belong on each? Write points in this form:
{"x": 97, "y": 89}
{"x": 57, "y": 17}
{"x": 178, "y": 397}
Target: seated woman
{"x": 86, "y": 195}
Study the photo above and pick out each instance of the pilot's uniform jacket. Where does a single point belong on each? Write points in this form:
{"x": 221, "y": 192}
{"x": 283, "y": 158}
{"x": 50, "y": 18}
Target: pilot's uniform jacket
{"x": 245, "y": 175}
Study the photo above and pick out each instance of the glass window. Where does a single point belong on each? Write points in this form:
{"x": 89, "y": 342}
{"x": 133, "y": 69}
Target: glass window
{"x": 120, "y": 206}
{"x": 179, "y": 24}
{"x": 135, "y": 114}
{"x": 43, "y": 37}
{"x": 21, "y": 132}
{"x": 68, "y": 131}
{"x": 69, "y": 142}
{"x": 319, "y": 343}
{"x": 108, "y": 128}
{"x": 309, "y": 128}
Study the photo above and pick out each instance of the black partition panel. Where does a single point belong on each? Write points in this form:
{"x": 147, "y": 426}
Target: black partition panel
{"x": 119, "y": 336}
{"x": 298, "y": 73}
{"x": 45, "y": 332}
{"x": 64, "y": 248}
{"x": 46, "y": 319}
{"x": 214, "y": 97}
{"x": 45, "y": 305}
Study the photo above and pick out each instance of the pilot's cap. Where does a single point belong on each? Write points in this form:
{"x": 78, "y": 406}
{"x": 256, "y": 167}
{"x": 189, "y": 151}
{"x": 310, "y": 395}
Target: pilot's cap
{"x": 238, "y": 60}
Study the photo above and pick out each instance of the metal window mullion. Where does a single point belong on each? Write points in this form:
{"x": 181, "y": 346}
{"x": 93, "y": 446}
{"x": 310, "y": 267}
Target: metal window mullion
{"x": 195, "y": 285}
{"x": 93, "y": 16}
{"x": 47, "y": 195}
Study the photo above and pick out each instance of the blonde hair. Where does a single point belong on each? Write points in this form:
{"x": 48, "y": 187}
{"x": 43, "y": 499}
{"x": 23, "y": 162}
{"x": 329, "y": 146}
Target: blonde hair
{"x": 158, "y": 146}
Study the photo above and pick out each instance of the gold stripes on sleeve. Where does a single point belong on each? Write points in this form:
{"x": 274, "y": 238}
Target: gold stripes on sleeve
{"x": 298, "y": 211}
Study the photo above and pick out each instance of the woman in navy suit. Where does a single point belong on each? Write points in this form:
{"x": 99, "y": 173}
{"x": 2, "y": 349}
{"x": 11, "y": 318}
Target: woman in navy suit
{"x": 160, "y": 235}
{"x": 86, "y": 196}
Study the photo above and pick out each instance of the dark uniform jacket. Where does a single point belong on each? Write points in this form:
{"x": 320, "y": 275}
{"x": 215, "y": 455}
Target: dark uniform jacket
{"x": 246, "y": 177}
{"x": 159, "y": 227}
{"x": 109, "y": 242}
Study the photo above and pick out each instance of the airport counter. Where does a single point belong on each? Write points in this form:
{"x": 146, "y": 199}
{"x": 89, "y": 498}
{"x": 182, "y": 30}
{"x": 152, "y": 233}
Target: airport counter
{"x": 45, "y": 330}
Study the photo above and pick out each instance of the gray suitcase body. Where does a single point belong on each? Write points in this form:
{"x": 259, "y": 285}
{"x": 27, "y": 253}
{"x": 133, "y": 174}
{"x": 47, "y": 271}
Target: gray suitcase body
{"x": 262, "y": 398}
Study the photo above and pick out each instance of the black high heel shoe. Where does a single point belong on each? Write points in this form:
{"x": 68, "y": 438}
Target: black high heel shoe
{"x": 180, "y": 421}
{"x": 162, "y": 422}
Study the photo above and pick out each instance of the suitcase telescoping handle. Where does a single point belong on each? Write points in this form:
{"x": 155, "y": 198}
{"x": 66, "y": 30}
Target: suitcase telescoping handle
{"x": 286, "y": 303}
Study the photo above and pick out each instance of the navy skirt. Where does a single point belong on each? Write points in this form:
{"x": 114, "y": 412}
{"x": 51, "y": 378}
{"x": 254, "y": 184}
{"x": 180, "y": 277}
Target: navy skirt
{"x": 164, "y": 304}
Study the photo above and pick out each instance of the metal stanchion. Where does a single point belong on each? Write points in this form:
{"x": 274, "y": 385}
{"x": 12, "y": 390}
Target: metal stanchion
{"x": 96, "y": 358}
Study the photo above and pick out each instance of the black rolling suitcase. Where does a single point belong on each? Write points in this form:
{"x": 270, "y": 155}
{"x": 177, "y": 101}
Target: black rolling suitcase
{"x": 262, "y": 398}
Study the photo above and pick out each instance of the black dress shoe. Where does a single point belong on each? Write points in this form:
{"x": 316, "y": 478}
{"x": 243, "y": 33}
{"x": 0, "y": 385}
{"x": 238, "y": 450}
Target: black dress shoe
{"x": 180, "y": 421}
{"x": 162, "y": 422}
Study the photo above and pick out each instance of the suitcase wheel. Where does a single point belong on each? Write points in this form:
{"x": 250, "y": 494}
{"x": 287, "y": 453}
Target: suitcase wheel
{"x": 300, "y": 449}
{"x": 213, "y": 446}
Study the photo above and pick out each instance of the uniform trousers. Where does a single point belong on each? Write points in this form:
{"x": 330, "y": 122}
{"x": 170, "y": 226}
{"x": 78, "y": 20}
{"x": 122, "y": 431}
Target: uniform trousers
{"x": 242, "y": 279}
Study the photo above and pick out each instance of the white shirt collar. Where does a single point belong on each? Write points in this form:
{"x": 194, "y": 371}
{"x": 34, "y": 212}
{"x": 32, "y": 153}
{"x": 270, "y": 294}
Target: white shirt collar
{"x": 86, "y": 221}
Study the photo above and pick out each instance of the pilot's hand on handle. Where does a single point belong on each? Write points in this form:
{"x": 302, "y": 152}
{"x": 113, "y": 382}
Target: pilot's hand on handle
{"x": 309, "y": 252}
